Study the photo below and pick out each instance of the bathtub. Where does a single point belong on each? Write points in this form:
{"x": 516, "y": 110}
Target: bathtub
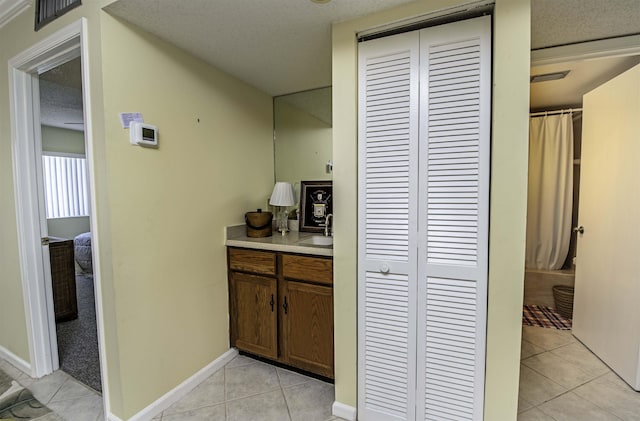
{"x": 538, "y": 285}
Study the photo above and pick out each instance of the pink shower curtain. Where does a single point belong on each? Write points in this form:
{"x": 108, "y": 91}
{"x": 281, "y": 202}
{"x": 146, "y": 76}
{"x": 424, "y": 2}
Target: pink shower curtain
{"x": 550, "y": 192}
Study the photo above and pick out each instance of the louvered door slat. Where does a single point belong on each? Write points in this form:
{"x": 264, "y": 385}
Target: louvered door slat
{"x": 423, "y": 104}
{"x": 388, "y": 163}
{"x": 454, "y": 134}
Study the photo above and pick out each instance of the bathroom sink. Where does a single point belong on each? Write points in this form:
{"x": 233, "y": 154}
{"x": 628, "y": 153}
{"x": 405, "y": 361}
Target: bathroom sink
{"x": 318, "y": 240}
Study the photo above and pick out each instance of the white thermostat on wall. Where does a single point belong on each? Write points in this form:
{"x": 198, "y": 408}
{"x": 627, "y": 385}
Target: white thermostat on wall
{"x": 143, "y": 134}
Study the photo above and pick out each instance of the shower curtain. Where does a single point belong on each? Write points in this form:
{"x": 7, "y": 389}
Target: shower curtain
{"x": 550, "y": 191}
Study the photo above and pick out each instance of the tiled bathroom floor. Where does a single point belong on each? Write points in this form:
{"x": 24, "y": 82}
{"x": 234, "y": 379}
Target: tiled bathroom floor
{"x": 561, "y": 380}
{"x": 245, "y": 389}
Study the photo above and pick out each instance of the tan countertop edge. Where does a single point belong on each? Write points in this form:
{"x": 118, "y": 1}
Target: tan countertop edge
{"x": 236, "y": 236}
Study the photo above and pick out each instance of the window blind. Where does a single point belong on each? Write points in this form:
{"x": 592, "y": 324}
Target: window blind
{"x": 65, "y": 186}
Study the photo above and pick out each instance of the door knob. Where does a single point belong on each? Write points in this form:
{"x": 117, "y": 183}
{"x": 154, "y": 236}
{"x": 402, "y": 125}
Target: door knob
{"x": 384, "y": 268}
{"x": 579, "y": 229}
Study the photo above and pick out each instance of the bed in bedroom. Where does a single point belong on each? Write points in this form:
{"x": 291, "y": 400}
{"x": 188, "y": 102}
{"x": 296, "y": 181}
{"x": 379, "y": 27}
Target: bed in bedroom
{"x": 82, "y": 251}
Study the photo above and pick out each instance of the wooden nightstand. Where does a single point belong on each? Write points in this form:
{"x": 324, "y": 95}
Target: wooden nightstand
{"x": 63, "y": 278}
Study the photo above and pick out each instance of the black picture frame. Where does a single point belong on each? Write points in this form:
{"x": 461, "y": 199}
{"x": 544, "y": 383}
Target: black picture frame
{"x": 316, "y": 202}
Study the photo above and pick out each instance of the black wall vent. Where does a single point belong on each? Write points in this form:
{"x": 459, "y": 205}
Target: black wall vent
{"x": 49, "y": 10}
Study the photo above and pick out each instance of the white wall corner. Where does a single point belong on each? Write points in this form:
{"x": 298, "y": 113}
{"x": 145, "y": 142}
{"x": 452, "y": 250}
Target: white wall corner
{"x": 180, "y": 391}
{"x": 344, "y": 411}
{"x": 9, "y": 9}
{"x": 16, "y": 361}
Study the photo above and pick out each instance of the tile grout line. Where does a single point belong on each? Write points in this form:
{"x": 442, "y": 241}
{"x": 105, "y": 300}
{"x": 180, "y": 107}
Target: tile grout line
{"x": 71, "y": 380}
{"x": 57, "y": 390}
{"x": 284, "y": 396}
{"x": 248, "y": 396}
{"x": 593, "y": 403}
{"x": 561, "y": 356}
{"x": 569, "y": 390}
{"x": 538, "y": 407}
{"x": 226, "y": 400}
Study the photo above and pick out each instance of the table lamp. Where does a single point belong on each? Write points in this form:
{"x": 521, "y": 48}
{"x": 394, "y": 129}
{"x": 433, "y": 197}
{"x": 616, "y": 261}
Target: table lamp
{"x": 282, "y": 197}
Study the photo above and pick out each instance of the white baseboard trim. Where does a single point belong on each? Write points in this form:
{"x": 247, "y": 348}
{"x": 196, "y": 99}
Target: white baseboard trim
{"x": 181, "y": 390}
{"x": 16, "y": 361}
{"x": 344, "y": 411}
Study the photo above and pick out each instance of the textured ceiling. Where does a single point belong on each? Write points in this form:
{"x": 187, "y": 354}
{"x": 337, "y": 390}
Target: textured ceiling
{"x": 278, "y": 46}
{"x": 565, "y": 22}
{"x": 283, "y": 46}
{"x": 560, "y": 22}
{"x": 61, "y": 96}
{"x": 583, "y": 77}
{"x": 67, "y": 74}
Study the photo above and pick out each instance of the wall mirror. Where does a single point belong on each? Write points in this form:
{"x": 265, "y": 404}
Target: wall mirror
{"x": 302, "y": 137}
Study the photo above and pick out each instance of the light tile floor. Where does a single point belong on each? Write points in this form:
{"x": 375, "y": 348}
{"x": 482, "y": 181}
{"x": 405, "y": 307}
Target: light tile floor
{"x": 561, "y": 380}
{"x": 66, "y": 397}
{"x": 245, "y": 389}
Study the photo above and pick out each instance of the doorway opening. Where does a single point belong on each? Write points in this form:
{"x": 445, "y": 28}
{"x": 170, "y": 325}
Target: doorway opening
{"x": 30, "y": 75}
{"x": 66, "y": 195}
{"x": 562, "y": 376}
{"x": 548, "y": 229}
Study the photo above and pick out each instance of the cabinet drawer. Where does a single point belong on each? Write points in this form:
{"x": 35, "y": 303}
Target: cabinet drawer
{"x": 313, "y": 269}
{"x": 244, "y": 260}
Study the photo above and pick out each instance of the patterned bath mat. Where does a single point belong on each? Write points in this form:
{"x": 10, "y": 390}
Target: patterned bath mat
{"x": 16, "y": 402}
{"x": 533, "y": 315}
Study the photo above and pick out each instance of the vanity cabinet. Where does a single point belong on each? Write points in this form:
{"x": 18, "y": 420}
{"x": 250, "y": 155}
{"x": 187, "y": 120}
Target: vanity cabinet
{"x": 281, "y": 307}
{"x": 308, "y": 327}
{"x": 255, "y": 320}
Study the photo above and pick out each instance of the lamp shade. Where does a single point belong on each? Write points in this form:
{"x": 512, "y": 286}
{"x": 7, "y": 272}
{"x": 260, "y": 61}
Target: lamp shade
{"x": 282, "y": 195}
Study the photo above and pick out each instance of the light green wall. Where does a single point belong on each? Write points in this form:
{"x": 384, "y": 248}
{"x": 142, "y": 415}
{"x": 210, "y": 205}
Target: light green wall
{"x": 508, "y": 197}
{"x": 55, "y": 139}
{"x": 68, "y": 227}
{"x": 302, "y": 145}
{"x": 160, "y": 213}
{"x": 509, "y": 163}
{"x": 170, "y": 205}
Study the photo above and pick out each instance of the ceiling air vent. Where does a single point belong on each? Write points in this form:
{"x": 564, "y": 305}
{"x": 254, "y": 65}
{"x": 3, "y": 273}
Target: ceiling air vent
{"x": 549, "y": 76}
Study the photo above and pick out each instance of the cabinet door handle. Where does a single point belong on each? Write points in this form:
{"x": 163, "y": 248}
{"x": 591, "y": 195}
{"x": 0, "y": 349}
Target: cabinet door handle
{"x": 285, "y": 306}
{"x": 272, "y": 303}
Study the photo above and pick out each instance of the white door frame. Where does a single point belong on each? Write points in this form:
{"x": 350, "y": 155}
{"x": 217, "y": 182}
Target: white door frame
{"x": 65, "y": 44}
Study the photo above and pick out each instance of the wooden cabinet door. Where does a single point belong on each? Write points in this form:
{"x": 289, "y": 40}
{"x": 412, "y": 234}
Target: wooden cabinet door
{"x": 308, "y": 327}
{"x": 254, "y": 315}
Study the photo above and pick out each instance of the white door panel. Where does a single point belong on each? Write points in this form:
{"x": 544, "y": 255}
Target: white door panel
{"x": 424, "y": 144}
{"x": 387, "y": 221}
{"x": 607, "y": 288}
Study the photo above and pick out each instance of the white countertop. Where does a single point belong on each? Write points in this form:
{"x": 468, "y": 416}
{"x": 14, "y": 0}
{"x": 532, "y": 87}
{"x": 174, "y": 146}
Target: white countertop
{"x": 236, "y": 236}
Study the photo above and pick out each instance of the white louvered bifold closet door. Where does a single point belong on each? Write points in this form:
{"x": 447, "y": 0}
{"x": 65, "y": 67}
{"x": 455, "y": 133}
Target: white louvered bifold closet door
{"x": 455, "y": 115}
{"x": 424, "y": 144}
{"x": 388, "y": 171}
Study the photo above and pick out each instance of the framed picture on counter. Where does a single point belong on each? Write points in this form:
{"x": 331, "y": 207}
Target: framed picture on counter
{"x": 316, "y": 199}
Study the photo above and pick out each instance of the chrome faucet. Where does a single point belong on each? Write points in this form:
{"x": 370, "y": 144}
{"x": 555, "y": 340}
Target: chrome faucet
{"x": 326, "y": 225}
